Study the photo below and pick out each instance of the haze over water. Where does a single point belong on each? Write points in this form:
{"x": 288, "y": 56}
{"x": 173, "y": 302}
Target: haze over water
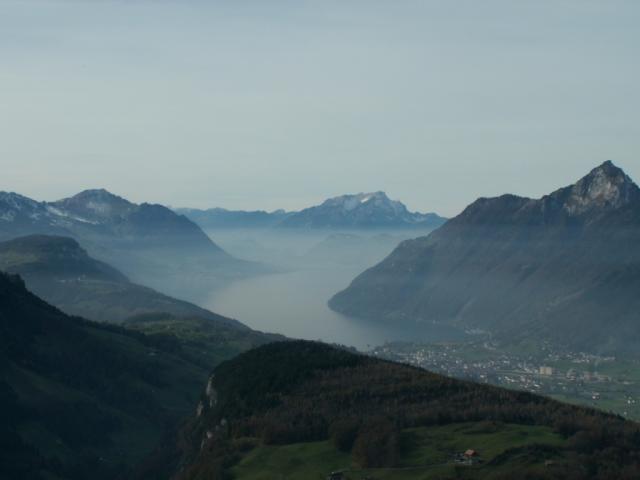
{"x": 294, "y": 302}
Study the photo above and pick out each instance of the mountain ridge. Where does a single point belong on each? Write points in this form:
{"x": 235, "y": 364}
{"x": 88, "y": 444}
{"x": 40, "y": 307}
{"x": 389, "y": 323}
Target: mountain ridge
{"x": 223, "y": 218}
{"x": 61, "y": 272}
{"x": 149, "y": 243}
{"x": 350, "y": 211}
{"x": 560, "y": 266}
{"x": 96, "y": 212}
{"x": 361, "y": 210}
{"x": 603, "y": 189}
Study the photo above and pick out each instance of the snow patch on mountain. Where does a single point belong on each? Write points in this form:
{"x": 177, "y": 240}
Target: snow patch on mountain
{"x": 8, "y": 216}
{"x": 361, "y": 210}
{"x": 66, "y": 215}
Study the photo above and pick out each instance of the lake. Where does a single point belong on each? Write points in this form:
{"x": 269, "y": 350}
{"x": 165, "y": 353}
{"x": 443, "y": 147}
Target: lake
{"x": 295, "y": 304}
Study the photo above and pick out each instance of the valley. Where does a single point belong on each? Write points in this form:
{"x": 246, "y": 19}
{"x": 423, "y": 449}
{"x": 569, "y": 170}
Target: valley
{"x": 312, "y": 267}
{"x": 289, "y": 298}
{"x": 316, "y": 262}
{"x": 319, "y": 240}
{"x": 295, "y": 304}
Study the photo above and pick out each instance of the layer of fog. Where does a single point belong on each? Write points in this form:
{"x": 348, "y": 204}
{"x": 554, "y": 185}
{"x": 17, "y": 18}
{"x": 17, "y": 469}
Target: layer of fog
{"x": 309, "y": 267}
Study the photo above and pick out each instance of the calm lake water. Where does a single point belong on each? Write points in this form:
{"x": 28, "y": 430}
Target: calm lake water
{"x": 295, "y": 304}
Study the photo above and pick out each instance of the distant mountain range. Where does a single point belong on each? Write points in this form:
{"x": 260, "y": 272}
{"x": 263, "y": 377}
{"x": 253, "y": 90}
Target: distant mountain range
{"x": 221, "y": 218}
{"x": 563, "y": 268}
{"x": 58, "y": 270}
{"x": 97, "y": 214}
{"x": 150, "y": 243}
{"x": 359, "y": 211}
{"x": 363, "y": 210}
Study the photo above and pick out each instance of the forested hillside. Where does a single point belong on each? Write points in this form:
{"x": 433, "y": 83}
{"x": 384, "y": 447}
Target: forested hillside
{"x": 365, "y": 415}
{"x": 85, "y": 400}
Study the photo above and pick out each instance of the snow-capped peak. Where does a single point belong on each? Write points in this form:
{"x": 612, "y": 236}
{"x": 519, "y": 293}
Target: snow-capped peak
{"x": 94, "y": 205}
{"x": 372, "y": 209}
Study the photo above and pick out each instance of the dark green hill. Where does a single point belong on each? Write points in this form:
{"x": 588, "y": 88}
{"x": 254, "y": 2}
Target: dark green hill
{"x": 81, "y": 400}
{"x": 58, "y": 270}
{"x": 301, "y": 409}
{"x": 202, "y": 341}
{"x": 85, "y": 400}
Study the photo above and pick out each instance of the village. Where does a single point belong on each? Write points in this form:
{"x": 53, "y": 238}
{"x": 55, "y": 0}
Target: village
{"x": 602, "y": 382}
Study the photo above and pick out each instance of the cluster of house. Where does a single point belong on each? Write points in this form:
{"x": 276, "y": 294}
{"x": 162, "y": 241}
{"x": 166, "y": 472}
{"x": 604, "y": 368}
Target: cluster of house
{"x": 546, "y": 371}
{"x": 468, "y": 457}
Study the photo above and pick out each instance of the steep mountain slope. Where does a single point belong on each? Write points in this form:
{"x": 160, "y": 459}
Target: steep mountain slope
{"x": 101, "y": 214}
{"x": 301, "y": 409}
{"x": 564, "y": 268}
{"x": 363, "y": 210}
{"x": 80, "y": 400}
{"x": 85, "y": 400}
{"x": 21, "y": 215}
{"x": 58, "y": 270}
{"x": 221, "y": 218}
{"x": 150, "y": 243}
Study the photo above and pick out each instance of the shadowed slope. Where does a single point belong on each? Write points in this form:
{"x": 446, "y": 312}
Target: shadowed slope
{"x": 565, "y": 267}
{"x": 61, "y": 272}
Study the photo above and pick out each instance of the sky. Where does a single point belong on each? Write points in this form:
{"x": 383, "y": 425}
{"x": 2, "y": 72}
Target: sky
{"x": 266, "y": 104}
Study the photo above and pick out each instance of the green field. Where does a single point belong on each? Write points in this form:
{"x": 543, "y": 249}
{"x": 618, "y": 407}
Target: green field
{"x": 426, "y": 453}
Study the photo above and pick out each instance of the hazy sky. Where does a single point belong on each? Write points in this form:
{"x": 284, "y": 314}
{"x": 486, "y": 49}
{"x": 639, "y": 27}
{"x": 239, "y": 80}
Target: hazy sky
{"x": 275, "y": 103}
